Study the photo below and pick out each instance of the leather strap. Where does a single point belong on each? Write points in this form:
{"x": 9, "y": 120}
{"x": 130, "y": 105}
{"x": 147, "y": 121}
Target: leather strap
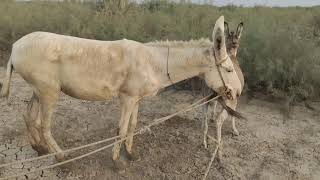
{"x": 218, "y": 64}
{"x": 168, "y": 74}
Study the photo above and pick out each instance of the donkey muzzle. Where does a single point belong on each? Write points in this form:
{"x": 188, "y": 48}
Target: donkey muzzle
{"x": 227, "y": 93}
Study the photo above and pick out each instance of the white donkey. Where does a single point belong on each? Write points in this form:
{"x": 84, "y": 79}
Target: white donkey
{"x": 99, "y": 70}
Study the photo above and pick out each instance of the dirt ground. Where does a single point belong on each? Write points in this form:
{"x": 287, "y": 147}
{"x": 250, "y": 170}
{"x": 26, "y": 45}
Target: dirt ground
{"x": 270, "y": 146}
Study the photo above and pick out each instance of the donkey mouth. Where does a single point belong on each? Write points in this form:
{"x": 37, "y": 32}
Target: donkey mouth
{"x": 235, "y": 45}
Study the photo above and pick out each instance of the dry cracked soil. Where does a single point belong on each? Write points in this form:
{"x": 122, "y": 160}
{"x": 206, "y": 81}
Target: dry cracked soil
{"x": 269, "y": 147}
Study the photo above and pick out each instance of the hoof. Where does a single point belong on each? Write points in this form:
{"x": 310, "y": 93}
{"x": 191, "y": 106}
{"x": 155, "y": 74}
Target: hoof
{"x": 205, "y": 145}
{"x": 60, "y": 157}
{"x": 40, "y": 149}
{"x": 235, "y": 133}
{"x": 213, "y": 117}
{"x": 219, "y": 160}
{"x": 133, "y": 156}
{"x": 120, "y": 166}
{"x": 219, "y": 157}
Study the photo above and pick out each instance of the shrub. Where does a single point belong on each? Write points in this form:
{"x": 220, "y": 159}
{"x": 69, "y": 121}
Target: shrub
{"x": 279, "y": 48}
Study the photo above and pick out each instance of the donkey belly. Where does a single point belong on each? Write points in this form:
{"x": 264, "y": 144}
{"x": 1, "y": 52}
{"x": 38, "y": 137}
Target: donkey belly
{"x": 77, "y": 84}
{"x": 82, "y": 84}
{"x": 88, "y": 90}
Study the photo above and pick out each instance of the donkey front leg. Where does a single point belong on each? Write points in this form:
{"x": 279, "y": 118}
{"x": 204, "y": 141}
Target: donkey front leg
{"x": 205, "y": 126}
{"x": 220, "y": 120}
{"x": 48, "y": 101}
{"x": 223, "y": 115}
{"x": 215, "y": 108}
{"x": 127, "y": 105}
{"x": 233, "y": 119}
{"x": 132, "y": 155}
{"x": 234, "y": 128}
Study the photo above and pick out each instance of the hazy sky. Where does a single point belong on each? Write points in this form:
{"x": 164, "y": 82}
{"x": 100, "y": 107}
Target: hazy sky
{"x": 282, "y": 3}
{"x": 267, "y": 2}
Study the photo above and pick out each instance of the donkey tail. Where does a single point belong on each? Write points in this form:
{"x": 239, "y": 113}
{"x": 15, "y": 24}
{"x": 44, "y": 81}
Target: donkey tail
{"x": 6, "y": 83}
{"x": 229, "y": 110}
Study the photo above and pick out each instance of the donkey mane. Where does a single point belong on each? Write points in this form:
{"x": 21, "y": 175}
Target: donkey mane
{"x": 202, "y": 42}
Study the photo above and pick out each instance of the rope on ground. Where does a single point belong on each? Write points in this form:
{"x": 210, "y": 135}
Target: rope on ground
{"x": 63, "y": 162}
{"x": 141, "y": 131}
{"x": 84, "y": 146}
{"x": 64, "y": 151}
{"x": 192, "y": 106}
{"x": 210, "y": 163}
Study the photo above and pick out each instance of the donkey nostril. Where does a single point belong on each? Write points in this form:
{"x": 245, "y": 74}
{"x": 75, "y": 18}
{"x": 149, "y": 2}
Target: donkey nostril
{"x": 229, "y": 69}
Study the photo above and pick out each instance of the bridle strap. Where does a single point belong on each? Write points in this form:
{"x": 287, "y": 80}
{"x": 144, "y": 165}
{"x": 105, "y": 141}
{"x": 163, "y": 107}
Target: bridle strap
{"x": 168, "y": 74}
{"x": 218, "y": 64}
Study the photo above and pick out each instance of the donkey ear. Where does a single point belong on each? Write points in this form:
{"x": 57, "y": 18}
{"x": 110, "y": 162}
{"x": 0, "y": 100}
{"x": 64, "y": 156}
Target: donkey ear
{"x": 226, "y": 28}
{"x": 218, "y": 36}
{"x": 239, "y": 30}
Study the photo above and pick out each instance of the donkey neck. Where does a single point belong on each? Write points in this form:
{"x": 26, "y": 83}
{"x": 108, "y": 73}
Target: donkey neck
{"x": 233, "y": 56}
{"x": 179, "y": 63}
{"x": 234, "y": 59}
{"x": 232, "y": 52}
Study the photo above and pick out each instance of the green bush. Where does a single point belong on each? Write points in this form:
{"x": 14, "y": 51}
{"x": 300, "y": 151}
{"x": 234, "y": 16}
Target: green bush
{"x": 279, "y": 48}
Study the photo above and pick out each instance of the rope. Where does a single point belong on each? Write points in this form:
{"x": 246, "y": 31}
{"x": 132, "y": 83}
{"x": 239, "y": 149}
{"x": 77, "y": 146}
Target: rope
{"x": 193, "y": 106}
{"x": 64, "y": 162}
{"x": 210, "y": 163}
{"x": 81, "y": 147}
{"x": 141, "y": 131}
{"x": 53, "y": 154}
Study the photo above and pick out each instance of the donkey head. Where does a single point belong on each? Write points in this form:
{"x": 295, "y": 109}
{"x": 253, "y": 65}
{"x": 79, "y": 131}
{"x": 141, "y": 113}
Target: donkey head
{"x": 223, "y": 75}
{"x": 233, "y": 38}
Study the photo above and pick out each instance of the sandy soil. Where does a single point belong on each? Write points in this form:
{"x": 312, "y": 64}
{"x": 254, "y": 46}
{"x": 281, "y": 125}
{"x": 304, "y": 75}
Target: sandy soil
{"x": 270, "y": 147}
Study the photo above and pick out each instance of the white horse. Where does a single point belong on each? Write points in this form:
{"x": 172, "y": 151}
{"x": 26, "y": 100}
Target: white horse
{"x": 99, "y": 70}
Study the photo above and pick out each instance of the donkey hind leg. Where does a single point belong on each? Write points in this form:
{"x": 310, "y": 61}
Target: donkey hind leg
{"x": 33, "y": 123}
{"x": 132, "y": 155}
{"x": 127, "y": 106}
{"x": 48, "y": 101}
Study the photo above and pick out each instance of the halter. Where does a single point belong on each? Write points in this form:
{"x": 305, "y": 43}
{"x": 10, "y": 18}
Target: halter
{"x": 224, "y": 91}
{"x": 218, "y": 64}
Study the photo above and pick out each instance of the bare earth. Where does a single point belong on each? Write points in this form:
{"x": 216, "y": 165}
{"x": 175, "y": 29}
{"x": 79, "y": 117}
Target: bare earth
{"x": 270, "y": 147}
